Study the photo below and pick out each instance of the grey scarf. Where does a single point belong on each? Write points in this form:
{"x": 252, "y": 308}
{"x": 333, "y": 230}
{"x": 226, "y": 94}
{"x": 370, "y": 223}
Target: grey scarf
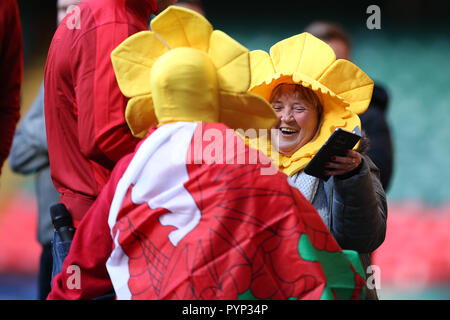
{"x": 306, "y": 184}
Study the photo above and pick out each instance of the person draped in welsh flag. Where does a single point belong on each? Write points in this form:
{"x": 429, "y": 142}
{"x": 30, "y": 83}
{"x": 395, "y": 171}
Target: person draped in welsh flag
{"x": 193, "y": 213}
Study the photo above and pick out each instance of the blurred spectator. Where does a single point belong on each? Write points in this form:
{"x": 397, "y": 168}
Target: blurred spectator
{"x": 374, "y": 120}
{"x": 29, "y": 154}
{"x": 84, "y": 108}
{"x": 11, "y": 69}
{"x": 195, "y": 5}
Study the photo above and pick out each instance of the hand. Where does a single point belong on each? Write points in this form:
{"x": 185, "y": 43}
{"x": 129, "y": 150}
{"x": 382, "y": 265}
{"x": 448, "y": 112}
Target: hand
{"x": 343, "y": 165}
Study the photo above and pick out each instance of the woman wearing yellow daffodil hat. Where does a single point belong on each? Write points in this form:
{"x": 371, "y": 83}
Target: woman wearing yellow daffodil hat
{"x": 313, "y": 94}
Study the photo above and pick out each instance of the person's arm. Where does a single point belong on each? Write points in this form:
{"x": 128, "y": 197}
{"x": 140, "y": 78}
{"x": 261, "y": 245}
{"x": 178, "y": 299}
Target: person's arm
{"x": 29, "y": 151}
{"x": 84, "y": 274}
{"x": 11, "y": 69}
{"x": 359, "y": 209}
{"x": 104, "y": 135}
{"x": 90, "y": 249}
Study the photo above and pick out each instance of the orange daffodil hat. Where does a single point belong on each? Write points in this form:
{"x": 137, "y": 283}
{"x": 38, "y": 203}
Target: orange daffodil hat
{"x": 343, "y": 89}
{"x": 183, "y": 70}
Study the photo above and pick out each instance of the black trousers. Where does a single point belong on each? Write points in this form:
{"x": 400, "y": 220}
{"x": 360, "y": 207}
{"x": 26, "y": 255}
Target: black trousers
{"x": 45, "y": 272}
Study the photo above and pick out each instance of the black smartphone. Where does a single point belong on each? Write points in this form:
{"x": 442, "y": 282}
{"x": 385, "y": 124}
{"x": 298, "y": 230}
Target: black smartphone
{"x": 337, "y": 145}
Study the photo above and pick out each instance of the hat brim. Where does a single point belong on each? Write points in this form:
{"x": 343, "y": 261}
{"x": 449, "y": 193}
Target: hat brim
{"x": 325, "y": 95}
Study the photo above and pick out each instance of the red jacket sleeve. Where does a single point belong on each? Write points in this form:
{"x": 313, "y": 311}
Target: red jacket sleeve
{"x": 103, "y": 133}
{"x": 11, "y": 68}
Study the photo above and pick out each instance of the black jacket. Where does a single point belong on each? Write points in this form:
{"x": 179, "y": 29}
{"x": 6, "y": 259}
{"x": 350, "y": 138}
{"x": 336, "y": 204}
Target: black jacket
{"x": 375, "y": 125}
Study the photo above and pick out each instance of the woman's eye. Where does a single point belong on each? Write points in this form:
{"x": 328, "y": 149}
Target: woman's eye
{"x": 277, "y": 107}
{"x": 299, "y": 109}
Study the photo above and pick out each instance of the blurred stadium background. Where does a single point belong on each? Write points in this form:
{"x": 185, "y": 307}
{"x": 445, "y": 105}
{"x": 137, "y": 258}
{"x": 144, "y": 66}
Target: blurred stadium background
{"x": 409, "y": 56}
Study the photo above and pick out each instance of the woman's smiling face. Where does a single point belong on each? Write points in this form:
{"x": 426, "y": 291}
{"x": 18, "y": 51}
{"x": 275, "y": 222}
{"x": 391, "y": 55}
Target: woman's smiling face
{"x": 298, "y": 117}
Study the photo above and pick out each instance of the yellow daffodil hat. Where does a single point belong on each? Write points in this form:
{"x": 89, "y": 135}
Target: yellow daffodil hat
{"x": 343, "y": 89}
{"x": 183, "y": 70}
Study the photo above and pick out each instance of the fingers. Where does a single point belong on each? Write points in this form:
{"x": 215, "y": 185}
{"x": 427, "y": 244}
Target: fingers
{"x": 340, "y": 165}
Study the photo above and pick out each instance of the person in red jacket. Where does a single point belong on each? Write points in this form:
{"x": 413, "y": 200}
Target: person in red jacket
{"x": 84, "y": 108}
{"x": 11, "y": 69}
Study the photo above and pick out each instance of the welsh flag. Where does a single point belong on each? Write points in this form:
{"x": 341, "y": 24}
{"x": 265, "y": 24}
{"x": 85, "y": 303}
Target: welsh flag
{"x": 193, "y": 214}
{"x": 191, "y": 220}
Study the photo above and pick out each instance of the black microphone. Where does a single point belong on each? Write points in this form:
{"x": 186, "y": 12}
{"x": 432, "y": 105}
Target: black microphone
{"x": 62, "y": 221}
